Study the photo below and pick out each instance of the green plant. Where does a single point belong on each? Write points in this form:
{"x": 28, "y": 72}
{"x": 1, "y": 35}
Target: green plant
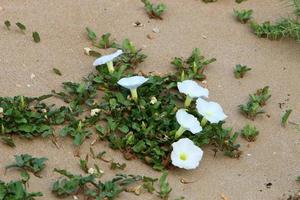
{"x": 36, "y": 37}
{"x": 164, "y": 186}
{"x": 7, "y": 24}
{"x": 284, "y": 28}
{"x": 249, "y": 133}
{"x": 21, "y": 26}
{"x": 255, "y": 103}
{"x": 193, "y": 67}
{"x": 154, "y": 11}
{"x": 103, "y": 43}
{"x": 285, "y": 117}
{"x": 76, "y": 129}
{"x": 109, "y": 190}
{"x": 243, "y": 15}
{"x": 16, "y": 190}
{"x": 241, "y": 70}
{"x": 29, "y": 163}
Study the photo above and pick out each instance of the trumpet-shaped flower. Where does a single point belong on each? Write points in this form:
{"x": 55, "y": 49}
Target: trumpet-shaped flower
{"x": 192, "y": 90}
{"x": 187, "y": 122}
{"x": 186, "y": 154}
{"x": 108, "y": 60}
{"x": 132, "y": 83}
{"x": 210, "y": 111}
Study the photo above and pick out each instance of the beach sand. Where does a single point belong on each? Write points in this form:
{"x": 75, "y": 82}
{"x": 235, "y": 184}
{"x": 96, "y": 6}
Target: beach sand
{"x": 273, "y": 158}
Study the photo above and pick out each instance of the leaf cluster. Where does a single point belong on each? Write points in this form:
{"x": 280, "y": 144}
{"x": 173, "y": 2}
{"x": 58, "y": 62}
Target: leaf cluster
{"x": 249, "y": 133}
{"x": 241, "y": 70}
{"x": 255, "y": 103}
{"x": 193, "y": 67}
{"x": 96, "y": 189}
{"x": 104, "y": 42}
{"x": 243, "y": 16}
{"x": 16, "y": 190}
{"x": 154, "y": 11}
{"x": 28, "y": 163}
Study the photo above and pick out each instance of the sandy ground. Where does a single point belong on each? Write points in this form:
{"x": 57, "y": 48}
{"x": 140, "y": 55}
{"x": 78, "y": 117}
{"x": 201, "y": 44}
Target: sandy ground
{"x": 274, "y": 157}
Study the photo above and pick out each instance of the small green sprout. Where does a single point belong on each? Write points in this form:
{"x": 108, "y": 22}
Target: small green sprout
{"x": 285, "y": 117}
{"x": 164, "y": 186}
{"x": 21, "y": 26}
{"x": 29, "y": 163}
{"x": 240, "y": 1}
{"x": 105, "y": 42}
{"x": 7, "y": 24}
{"x": 243, "y": 16}
{"x": 255, "y": 103}
{"x": 57, "y": 71}
{"x": 154, "y": 11}
{"x": 84, "y": 164}
{"x": 249, "y": 133}
{"x": 36, "y": 37}
{"x": 241, "y": 70}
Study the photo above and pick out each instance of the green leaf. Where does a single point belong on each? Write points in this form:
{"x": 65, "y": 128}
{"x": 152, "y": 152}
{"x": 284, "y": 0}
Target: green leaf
{"x": 91, "y": 34}
{"x": 36, "y": 37}
{"x": 21, "y": 26}
{"x": 164, "y": 186}
{"x": 285, "y": 117}
{"x": 7, "y": 24}
{"x": 57, "y": 71}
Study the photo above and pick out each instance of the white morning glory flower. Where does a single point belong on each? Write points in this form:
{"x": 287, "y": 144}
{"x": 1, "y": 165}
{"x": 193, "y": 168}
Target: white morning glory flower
{"x": 108, "y": 60}
{"x": 132, "y": 83}
{"x": 210, "y": 111}
{"x": 187, "y": 122}
{"x": 95, "y": 111}
{"x": 186, "y": 154}
{"x": 192, "y": 90}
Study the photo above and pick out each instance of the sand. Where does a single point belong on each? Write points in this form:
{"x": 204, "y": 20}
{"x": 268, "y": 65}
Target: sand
{"x": 187, "y": 24}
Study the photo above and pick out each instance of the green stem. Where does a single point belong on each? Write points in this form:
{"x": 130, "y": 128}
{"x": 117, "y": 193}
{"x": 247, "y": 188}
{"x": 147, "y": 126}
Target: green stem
{"x": 179, "y": 132}
{"x": 182, "y": 77}
{"x": 134, "y": 94}
{"x": 22, "y": 102}
{"x": 203, "y": 122}
{"x": 110, "y": 66}
{"x": 188, "y": 101}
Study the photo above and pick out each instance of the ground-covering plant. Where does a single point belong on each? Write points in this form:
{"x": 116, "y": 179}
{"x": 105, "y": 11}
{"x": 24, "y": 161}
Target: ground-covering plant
{"x": 29, "y": 117}
{"x": 141, "y": 116}
{"x": 255, "y": 103}
{"x": 103, "y": 43}
{"x": 192, "y": 67}
{"x": 249, "y": 133}
{"x": 93, "y": 188}
{"x": 16, "y": 190}
{"x": 241, "y": 70}
{"x": 243, "y": 16}
{"x": 286, "y": 27}
{"x": 28, "y": 163}
{"x": 153, "y": 10}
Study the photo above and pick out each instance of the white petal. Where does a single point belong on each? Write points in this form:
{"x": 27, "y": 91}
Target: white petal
{"x": 188, "y": 121}
{"x": 192, "y": 89}
{"x": 132, "y": 82}
{"x": 193, "y": 154}
{"x": 104, "y": 59}
{"x": 211, "y": 111}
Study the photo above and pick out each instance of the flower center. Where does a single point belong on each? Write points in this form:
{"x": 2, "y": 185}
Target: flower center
{"x": 209, "y": 113}
{"x": 183, "y": 156}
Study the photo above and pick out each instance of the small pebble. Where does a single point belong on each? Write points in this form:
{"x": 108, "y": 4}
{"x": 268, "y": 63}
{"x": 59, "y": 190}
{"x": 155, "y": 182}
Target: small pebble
{"x": 249, "y": 154}
{"x": 204, "y": 36}
{"x": 32, "y": 76}
{"x": 1, "y": 8}
{"x": 28, "y": 85}
{"x": 150, "y": 37}
{"x": 155, "y": 30}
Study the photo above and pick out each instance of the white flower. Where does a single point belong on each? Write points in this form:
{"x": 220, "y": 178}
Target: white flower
{"x": 95, "y": 111}
{"x": 153, "y": 100}
{"x": 132, "y": 83}
{"x": 186, "y": 154}
{"x": 108, "y": 59}
{"x": 210, "y": 110}
{"x": 187, "y": 122}
{"x": 1, "y": 110}
{"x": 192, "y": 90}
{"x": 92, "y": 171}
